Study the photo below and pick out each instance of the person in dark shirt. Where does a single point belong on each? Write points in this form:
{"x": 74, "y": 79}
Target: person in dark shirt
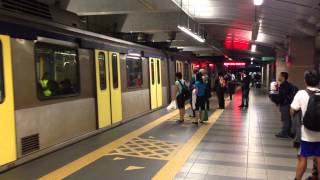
{"x": 245, "y": 80}
{"x": 285, "y": 89}
{"x": 220, "y": 87}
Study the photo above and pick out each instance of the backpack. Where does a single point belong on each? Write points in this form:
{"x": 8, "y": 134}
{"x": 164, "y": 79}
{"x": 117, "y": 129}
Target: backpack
{"x": 311, "y": 119}
{"x": 185, "y": 91}
{"x": 294, "y": 91}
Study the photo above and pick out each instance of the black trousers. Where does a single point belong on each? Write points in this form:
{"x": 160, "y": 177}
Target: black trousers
{"x": 286, "y": 119}
{"x": 245, "y": 97}
{"x": 220, "y": 95}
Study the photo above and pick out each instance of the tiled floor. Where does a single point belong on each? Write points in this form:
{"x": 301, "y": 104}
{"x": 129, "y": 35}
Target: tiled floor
{"x": 242, "y": 145}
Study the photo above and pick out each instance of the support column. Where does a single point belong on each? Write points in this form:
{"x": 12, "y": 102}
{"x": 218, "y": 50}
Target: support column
{"x": 301, "y": 58}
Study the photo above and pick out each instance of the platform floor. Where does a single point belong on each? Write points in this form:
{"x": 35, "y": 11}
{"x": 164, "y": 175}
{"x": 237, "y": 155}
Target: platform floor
{"x": 234, "y": 144}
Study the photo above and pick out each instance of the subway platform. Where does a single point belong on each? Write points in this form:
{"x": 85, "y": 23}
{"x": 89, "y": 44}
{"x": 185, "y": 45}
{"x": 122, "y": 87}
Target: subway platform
{"x": 234, "y": 144}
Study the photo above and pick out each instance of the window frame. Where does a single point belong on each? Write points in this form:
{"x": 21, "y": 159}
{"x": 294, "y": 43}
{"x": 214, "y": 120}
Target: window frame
{"x": 56, "y": 47}
{"x": 113, "y": 71}
{"x": 142, "y": 84}
{"x": 2, "y": 74}
{"x": 105, "y": 87}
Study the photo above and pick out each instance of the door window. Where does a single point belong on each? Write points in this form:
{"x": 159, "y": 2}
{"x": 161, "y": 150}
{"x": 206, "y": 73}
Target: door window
{"x": 102, "y": 70}
{"x": 152, "y": 72}
{"x": 1, "y": 76}
{"x": 115, "y": 71}
{"x": 158, "y": 71}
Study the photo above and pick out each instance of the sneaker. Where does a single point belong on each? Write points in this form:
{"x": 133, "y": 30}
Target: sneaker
{"x": 279, "y": 135}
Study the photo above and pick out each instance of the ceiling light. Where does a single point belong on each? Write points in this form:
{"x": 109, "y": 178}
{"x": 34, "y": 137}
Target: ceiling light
{"x": 190, "y": 33}
{"x": 230, "y": 59}
{"x": 252, "y": 59}
{"x": 257, "y": 2}
{"x": 253, "y": 48}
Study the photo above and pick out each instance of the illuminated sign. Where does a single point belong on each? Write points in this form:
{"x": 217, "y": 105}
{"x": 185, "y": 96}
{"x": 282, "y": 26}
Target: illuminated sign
{"x": 235, "y": 64}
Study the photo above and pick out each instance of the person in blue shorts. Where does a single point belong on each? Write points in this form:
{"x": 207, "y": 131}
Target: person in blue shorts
{"x": 310, "y": 140}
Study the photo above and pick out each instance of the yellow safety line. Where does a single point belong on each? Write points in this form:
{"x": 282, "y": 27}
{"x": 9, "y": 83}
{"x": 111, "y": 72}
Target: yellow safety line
{"x": 95, "y": 155}
{"x": 173, "y": 166}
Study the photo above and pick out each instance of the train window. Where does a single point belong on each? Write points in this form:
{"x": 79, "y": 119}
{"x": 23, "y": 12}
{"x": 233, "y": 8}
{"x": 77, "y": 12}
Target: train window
{"x": 1, "y": 76}
{"x": 152, "y": 72}
{"x": 158, "y": 71}
{"x": 115, "y": 71}
{"x": 102, "y": 70}
{"x": 57, "y": 69}
{"x": 134, "y": 72}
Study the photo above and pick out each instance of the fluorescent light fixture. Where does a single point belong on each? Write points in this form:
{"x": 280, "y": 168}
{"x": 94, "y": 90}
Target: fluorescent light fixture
{"x": 133, "y": 57}
{"x": 253, "y": 48}
{"x": 230, "y": 59}
{"x": 134, "y": 54}
{"x": 190, "y": 33}
{"x": 257, "y": 2}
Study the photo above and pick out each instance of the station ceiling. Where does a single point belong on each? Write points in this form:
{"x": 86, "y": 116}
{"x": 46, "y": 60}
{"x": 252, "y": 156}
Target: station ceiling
{"x": 221, "y": 21}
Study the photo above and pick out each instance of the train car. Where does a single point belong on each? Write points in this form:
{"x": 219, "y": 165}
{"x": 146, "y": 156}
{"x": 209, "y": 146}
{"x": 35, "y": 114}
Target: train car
{"x": 60, "y": 84}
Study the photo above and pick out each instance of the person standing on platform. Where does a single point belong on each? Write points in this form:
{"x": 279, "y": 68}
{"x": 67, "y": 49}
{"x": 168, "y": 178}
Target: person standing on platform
{"x": 285, "y": 97}
{"x": 230, "y": 83}
{"x": 200, "y": 102}
{"x": 207, "y": 83}
{"x": 179, "y": 96}
{"x": 192, "y": 87}
{"x": 308, "y": 101}
{"x": 245, "y": 80}
{"x": 220, "y": 87}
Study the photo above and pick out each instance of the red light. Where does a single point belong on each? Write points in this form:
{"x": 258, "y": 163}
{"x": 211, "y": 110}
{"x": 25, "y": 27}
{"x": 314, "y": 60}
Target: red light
{"x": 234, "y": 64}
{"x": 211, "y": 65}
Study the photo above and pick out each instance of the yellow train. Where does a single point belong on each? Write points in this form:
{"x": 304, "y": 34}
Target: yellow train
{"x": 60, "y": 84}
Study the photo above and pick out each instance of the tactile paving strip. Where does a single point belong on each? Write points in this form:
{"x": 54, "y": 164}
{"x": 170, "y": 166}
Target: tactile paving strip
{"x": 147, "y": 148}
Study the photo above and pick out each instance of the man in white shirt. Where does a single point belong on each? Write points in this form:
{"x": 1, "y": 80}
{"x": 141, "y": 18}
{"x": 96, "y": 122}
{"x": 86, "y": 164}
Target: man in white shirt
{"x": 310, "y": 140}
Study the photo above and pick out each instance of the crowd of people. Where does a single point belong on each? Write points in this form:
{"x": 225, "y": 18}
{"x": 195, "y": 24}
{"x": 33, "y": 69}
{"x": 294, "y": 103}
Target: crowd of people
{"x": 300, "y": 116}
{"x": 199, "y": 91}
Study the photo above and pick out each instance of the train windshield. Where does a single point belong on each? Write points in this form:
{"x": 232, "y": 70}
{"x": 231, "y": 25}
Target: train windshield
{"x": 1, "y": 75}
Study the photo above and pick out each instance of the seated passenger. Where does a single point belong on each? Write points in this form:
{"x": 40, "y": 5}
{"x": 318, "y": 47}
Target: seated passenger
{"x": 66, "y": 87}
{"x": 44, "y": 85}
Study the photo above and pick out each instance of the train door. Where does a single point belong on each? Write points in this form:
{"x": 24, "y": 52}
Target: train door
{"x": 7, "y": 121}
{"x": 155, "y": 83}
{"x": 108, "y": 88}
{"x": 115, "y": 80}
{"x": 103, "y": 88}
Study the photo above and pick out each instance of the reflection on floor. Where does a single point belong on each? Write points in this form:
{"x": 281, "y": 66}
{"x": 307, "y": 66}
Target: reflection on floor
{"x": 242, "y": 145}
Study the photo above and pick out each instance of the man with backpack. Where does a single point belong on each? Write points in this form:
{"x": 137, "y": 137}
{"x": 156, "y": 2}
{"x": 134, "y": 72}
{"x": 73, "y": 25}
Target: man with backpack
{"x": 308, "y": 101}
{"x": 181, "y": 95}
{"x": 286, "y": 94}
